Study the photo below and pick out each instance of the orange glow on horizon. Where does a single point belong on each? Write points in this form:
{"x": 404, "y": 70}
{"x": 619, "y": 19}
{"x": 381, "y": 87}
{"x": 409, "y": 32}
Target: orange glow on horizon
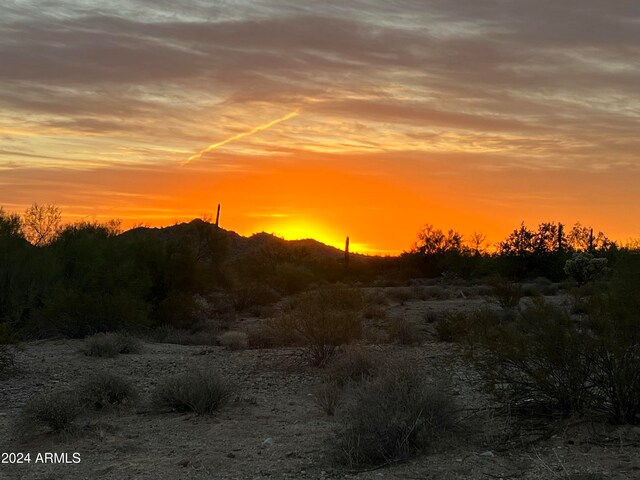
{"x": 379, "y": 202}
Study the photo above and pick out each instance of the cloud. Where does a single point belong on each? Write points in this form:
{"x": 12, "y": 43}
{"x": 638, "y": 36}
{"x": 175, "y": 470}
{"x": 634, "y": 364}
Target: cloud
{"x": 534, "y": 80}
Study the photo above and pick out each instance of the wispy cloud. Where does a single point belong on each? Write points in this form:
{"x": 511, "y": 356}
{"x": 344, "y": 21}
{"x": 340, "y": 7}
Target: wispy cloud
{"x": 240, "y": 136}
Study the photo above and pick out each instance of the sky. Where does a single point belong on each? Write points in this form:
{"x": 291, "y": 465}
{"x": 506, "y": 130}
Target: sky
{"x": 325, "y": 119}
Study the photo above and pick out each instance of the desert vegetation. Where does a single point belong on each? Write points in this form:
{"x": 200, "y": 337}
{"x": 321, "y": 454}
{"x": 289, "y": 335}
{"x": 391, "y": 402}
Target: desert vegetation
{"x": 386, "y": 362}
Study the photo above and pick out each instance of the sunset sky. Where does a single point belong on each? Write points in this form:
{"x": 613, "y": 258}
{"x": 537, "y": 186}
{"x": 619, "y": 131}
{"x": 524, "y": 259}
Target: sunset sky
{"x": 325, "y": 118}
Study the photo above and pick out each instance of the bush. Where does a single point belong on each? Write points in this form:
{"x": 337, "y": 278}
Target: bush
{"x": 56, "y": 410}
{"x": 401, "y": 330}
{"x": 544, "y": 359}
{"x": 400, "y": 294}
{"x": 507, "y": 293}
{"x": 106, "y": 389}
{"x": 537, "y": 361}
{"x": 352, "y": 364}
{"x": 253, "y": 296}
{"x": 233, "y": 340}
{"x": 462, "y": 327}
{"x": 324, "y": 320}
{"x": 168, "y": 334}
{"x": 583, "y": 268}
{"x": 394, "y": 416}
{"x": 7, "y": 361}
{"x": 110, "y": 345}
{"x": 328, "y": 396}
{"x": 199, "y": 392}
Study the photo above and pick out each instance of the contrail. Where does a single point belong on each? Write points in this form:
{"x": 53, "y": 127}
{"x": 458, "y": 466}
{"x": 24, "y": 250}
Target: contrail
{"x": 257, "y": 129}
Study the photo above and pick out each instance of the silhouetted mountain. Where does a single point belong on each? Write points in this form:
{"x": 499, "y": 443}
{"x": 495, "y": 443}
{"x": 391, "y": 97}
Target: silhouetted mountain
{"x": 198, "y": 230}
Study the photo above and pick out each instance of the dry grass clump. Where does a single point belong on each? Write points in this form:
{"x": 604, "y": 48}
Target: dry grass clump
{"x": 328, "y": 396}
{"x": 111, "y": 344}
{"x": 56, "y": 410}
{"x": 393, "y": 416}
{"x": 198, "y": 392}
{"x": 106, "y": 389}
{"x": 234, "y": 340}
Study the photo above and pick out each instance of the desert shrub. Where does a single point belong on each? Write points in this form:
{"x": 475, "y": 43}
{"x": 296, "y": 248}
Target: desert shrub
{"x": 56, "y": 410}
{"x": 178, "y": 336}
{"x": 393, "y": 417}
{"x": 583, "y": 267}
{"x": 325, "y": 319}
{"x": 290, "y": 278}
{"x": 614, "y": 323}
{"x": 352, "y": 364}
{"x": 433, "y": 292}
{"x": 328, "y": 396}
{"x": 110, "y": 344}
{"x": 106, "y": 389}
{"x": 508, "y": 294}
{"x": 179, "y": 310}
{"x": 452, "y": 327}
{"x": 7, "y": 361}
{"x": 400, "y": 294}
{"x": 374, "y": 311}
{"x": 545, "y": 359}
{"x": 199, "y": 392}
{"x": 537, "y": 361}
{"x": 75, "y": 313}
{"x": 279, "y": 331}
{"x": 403, "y": 331}
{"x": 253, "y": 295}
{"x": 377, "y": 297}
{"x": 233, "y": 340}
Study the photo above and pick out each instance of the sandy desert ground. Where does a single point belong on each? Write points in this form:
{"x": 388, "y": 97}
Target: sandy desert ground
{"x": 273, "y": 428}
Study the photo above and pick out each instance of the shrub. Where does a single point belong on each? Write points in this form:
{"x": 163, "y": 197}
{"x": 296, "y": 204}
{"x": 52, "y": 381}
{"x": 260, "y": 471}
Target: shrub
{"x": 325, "y": 319}
{"x": 583, "y": 267}
{"x": 106, "y": 389}
{"x": 110, "y": 345}
{"x": 507, "y": 293}
{"x": 462, "y": 327}
{"x": 394, "y": 416}
{"x": 168, "y": 334}
{"x": 199, "y": 392}
{"x": 328, "y": 396}
{"x": 400, "y": 294}
{"x": 452, "y": 327}
{"x": 537, "y": 361}
{"x": 7, "y": 361}
{"x": 234, "y": 340}
{"x": 352, "y": 364}
{"x": 253, "y": 296}
{"x": 56, "y": 410}
{"x": 544, "y": 359}
{"x": 401, "y": 330}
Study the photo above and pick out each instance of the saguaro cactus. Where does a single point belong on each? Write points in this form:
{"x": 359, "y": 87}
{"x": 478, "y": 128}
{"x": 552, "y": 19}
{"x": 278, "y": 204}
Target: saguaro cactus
{"x": 346, "y": 253}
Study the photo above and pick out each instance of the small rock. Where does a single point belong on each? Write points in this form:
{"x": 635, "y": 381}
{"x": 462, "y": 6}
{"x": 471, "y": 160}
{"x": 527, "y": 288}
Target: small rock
{"x": 267, "y": 442}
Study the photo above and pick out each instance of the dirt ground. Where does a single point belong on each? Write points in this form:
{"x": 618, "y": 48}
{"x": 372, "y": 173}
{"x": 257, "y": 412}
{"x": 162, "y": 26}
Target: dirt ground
{"x": 273, "y": 429}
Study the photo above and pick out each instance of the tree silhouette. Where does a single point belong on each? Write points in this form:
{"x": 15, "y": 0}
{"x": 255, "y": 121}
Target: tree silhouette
{"x": 41, "y": 223}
